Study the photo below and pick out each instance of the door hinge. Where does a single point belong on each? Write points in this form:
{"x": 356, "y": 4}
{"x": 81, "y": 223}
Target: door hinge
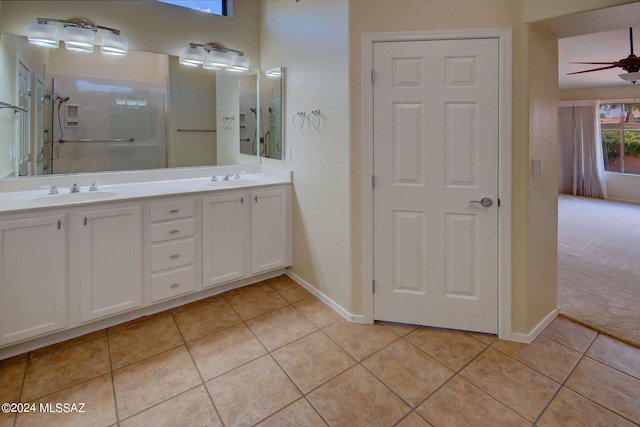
{"x": 373, "y": 76}
{"x": 59, "y": 224}
{"x": 499, "y": 202}
{"x": 373, "y": 181}
{"x": 373, "y": 286}
{"x": 86, "y": 221}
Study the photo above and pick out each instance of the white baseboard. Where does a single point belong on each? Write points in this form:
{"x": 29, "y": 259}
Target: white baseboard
{"x": 353, "y": 318}
{"x": 533, "y": 334}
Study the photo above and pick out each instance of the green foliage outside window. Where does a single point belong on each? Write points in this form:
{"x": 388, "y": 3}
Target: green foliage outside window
{"x": 611, "y": 144}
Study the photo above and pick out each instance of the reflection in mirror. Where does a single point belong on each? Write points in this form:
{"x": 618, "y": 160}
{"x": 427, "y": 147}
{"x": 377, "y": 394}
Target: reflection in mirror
{"x": 271, "y": 95}
{"x": 248, "y": 117}
{"x": 100, "y": 113}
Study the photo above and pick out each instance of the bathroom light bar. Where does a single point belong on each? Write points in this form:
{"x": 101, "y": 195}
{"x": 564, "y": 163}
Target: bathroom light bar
{"x": 79, "y": 35}
{"x": 213, "y": 56}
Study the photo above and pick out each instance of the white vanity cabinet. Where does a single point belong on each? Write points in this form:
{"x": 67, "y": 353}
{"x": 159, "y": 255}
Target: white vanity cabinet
{"x": 33, "y": 283}
{"x": 173, "y": 248}
{"x": 109, "y": 259}
{"x": 270, "y": 230}
{"x": 245, "y": 233}
{"x": 225, "y": 221}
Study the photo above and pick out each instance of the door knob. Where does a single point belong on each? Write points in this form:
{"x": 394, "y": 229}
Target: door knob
{"x": 485, "y": 202}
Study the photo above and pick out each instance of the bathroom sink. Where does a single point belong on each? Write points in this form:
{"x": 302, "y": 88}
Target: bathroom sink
{"x": 87, "y": 196}
{"x": 233, "y": 182}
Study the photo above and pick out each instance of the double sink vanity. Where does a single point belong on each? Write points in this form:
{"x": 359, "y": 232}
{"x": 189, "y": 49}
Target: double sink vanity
{"x": 136, "y": 244}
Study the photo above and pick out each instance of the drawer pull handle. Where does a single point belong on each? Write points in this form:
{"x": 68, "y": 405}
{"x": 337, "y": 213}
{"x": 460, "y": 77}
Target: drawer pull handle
{"x": 174, "y": 211}
{"x": 174, "y": 231}
{"x": 175, "y": 285}
{"x": 174, "y": 256}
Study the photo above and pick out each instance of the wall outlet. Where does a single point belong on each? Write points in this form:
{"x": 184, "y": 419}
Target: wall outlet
{"x": 536, "y": 167}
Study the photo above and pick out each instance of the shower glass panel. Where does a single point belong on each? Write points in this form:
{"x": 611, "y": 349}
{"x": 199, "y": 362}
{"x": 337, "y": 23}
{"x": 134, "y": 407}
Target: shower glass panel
{"x": 107, "y": 124}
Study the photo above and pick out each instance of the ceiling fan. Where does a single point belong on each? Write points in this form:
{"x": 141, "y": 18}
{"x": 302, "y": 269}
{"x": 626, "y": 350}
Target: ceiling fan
{"x": 631, "y": 64}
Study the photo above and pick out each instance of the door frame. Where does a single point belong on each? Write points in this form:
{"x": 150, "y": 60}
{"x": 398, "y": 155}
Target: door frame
{"x": 503, "y": 35}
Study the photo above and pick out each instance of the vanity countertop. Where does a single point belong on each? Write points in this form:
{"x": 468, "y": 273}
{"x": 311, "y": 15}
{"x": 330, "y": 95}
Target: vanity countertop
{"x": 41, "y": 199}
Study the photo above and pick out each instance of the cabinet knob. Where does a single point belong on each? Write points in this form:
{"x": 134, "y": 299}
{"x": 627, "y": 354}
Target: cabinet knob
{"x": 174, "y": 256}
{"x": 175, "y": 285}
{"x": 174, "y": 211}
{"x": 174, "y": 231}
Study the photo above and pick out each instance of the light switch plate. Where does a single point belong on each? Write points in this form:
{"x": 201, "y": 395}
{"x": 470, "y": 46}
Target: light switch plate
{"x": 536, "y": 167}
{"x": 287, "y": 154}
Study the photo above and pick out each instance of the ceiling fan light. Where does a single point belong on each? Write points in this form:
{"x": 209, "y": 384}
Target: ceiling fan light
{"x": 630, "y": 77}
{"x": 45, "y": 35}
{"x": 79, "y": 39}
{"x": 114, "y": 44}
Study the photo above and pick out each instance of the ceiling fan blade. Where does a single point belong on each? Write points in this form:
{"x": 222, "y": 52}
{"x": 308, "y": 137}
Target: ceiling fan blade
{"x": 593, "y": 69}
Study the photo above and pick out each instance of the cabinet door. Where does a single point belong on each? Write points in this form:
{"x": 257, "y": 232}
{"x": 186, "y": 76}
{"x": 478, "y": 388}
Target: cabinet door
{"x": 269, "y": 230}
{"x": 33, "y": 286}
{"x": 110, "y": 261}
{"x": 224, "y": 239}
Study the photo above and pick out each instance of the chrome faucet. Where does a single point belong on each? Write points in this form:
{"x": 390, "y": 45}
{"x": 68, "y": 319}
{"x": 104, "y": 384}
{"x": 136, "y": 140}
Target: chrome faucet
{"x": 236, "y": 175}
{"x": 214, "y": 178}
{"x": 226, "y": 177}
{"x": 54, "y": 190}
{"x": 75, "y": 188}
{"x": 94, "y": 186}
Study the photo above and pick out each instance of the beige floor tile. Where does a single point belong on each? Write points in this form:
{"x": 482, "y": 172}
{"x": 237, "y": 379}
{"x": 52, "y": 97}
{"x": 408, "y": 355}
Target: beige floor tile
{"x": 20, "y": 358}
{"x": 454, "y": 349}
{"x": 280, "y": 327}
{"x": 289, "y": 289}
{"x": 89, "y": 404}
{"x": 257, "y": 301}
{"x": 610, "y": 388}
{"x": 11, "y": 377}
{"x": 138, "y": 321}
{"x": 517, "y": 386}
{"x": 571, "y": 409}
{"x": 64, "y": 368}
{"x": 413, "y": 420}
{"x": 68, "y": 343}
{"x": 317, "y": 311}
{"x": 191, "y": 408}
{"x": 570, "y": 333}
{"x": 399, "y": 329}
{"x": 252, "y": 392}
{"x": 616, "y": 354}
{"x": 409, "y": 372}
{"x": 544, "y": 355}
{"x": 153, "y": 380}
{"x": 313, "y": 360}
{"x": 138, "y": 342}
{"x": 360, "y": 341}
{"x": 357, "y": 398}
{"x": 460, "y": 403}
{"x": 225, "y": 350}
{"x": 205, "y": 319}
{"x": 485, "y": 338}
{"x": 298, "y": 414}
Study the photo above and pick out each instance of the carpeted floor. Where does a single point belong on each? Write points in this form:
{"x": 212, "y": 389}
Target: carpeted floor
{"x": 599, "y": 265}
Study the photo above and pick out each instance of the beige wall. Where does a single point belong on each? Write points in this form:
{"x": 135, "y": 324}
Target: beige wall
{"x": 149, "y": 25}
{"x": 311, "y": 40}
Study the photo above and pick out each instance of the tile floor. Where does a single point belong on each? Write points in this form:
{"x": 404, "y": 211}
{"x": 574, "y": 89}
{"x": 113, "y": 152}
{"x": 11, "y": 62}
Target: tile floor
{"x": 273, "y": 355}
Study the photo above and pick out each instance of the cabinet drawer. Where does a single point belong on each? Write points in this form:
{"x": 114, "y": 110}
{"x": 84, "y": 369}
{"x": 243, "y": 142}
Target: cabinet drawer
{"x": 172, "y": 230}
{"x": 172, "y": 283}
{"x": 173, "y": 209}
{"x": 172, "y": 254}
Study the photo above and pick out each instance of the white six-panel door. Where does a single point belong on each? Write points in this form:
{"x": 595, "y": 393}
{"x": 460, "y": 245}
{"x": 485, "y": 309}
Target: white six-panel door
{"x": 435, "y": 251}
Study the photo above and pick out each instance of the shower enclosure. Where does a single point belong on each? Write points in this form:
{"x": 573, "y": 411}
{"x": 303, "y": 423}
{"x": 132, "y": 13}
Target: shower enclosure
{"x": 101, "y": 124}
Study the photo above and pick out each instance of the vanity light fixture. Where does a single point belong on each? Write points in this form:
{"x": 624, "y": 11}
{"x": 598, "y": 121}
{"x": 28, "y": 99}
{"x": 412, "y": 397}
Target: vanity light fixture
{"x": 213, "y": 56}
{"x": 273, "y": 72}
{"x": 79, "y": 35}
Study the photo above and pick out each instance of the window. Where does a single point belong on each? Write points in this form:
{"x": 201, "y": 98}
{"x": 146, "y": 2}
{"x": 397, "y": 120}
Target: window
{"x": 620, "y": 132}
{"x": 216, "y": 7}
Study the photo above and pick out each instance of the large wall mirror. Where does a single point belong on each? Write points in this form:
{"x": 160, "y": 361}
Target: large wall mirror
{"x": 92, "y": 112}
